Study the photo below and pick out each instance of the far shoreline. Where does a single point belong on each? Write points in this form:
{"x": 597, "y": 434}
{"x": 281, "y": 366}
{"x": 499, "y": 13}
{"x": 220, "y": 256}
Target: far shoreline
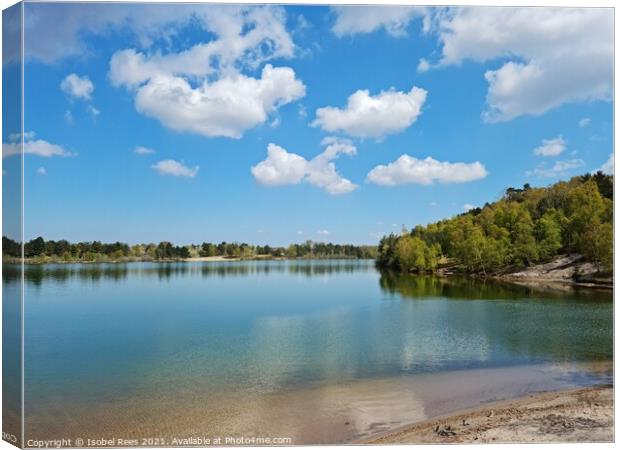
{"x": 28, "y": 262}
{"x": 528, "y": 278}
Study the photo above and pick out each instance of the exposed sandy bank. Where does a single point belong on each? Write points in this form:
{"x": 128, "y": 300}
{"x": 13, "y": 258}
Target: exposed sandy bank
{"x": 581, "y": 415}
{"x": 565, "y": 269}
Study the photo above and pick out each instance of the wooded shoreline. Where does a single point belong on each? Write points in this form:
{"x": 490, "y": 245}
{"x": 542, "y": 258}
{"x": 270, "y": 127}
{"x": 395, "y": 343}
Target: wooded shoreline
{"x": 562, "y": 234}
{"x": 41, "y": 251}
{"x": 129, "y": 260}
{"x": 564, "y": 231}
{"x": 554, "y": 275}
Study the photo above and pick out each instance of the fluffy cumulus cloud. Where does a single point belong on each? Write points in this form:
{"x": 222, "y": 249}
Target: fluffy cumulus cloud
{"x": 351, "y": 20}
{"x": 367, "y": 116}
{"x": 608, "y": 166}
{"x": 554, "y": 55}
{"x": 282, "y": 167}
{"x": 551, "y": 147}
{"x": 245, "y": 37}
{"x": 33, "y": 146}
{"x": 175, "y": 168}
{"x": 226, "y": 107}
{"x": 544, "y": 57}
{"x": 408, "y": 169}
{"x": 558, "y": 169}
{"x": 203, "y": 89}
{"x": 77, "y": 87}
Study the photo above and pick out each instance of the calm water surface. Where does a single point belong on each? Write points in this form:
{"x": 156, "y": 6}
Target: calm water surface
{"x": 320, "y": 351}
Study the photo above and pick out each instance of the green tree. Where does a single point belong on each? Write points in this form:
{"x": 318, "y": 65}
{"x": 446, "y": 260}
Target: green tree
{"x": 291, "y": 251}
{"x": 412, "y": 252}
{"x": 548, "y": 233}
{"x": 586, "y": 210}
{"x": 603, "y": 246}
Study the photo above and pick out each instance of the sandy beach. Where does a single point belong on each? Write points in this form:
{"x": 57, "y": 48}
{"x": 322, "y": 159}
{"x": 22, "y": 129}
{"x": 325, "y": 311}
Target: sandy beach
{"x": 578, "y": 415}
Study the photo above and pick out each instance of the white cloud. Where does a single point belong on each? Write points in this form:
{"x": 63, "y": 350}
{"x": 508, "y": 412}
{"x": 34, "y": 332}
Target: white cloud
{"x": 351, "y": 20}
{"x": 77, "y": 87}
{"x": 323, "y": 232}
{"x": 468, "y": 206}
{"x": 559, "y": 168}
{"x": 299, "y": 232}
{"x": 556, "y": 55}
{"x": 424, "y": 65}
{"x": 143, "y": 23}
{"x": 202, "y": 89}
{"x": 408, "y": 169}
{"x": 367, "y": 116}
{"x": 34, "y": 146}
{"x": 608, "y": 166}
{"x": 433, "y": 204}
{"x": 245, "y": 36}
{"x": 551, "y": 147}
{"x": 154, "y": 25}
{"x": 302, "y": 24}
{"x": 69, "y": 117}
{"x": 45, "y": 149}
{"x": 282, "y": 167}
{"x": 226, "y": 107}
{"x": 584, "y": 122}
{"x": 175, "y": 168}
{"x": 41, "y": 171}
{"x": 140, "y": 150}
{"x": 94, "y": 112}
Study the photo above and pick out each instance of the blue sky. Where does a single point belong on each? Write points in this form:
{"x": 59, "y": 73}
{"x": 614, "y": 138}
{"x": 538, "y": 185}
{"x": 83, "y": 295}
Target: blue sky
{"x": 280, "y": 124}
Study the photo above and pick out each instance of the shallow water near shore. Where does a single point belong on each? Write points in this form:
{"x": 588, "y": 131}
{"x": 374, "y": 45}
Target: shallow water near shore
{"x": 318, "y": 351}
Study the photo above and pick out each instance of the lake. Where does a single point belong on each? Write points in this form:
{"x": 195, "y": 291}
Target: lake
{"x": 315, "y": 351}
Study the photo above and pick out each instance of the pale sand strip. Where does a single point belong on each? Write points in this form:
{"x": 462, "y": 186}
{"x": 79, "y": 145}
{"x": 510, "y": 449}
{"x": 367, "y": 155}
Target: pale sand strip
{"x": 578, "y": 415}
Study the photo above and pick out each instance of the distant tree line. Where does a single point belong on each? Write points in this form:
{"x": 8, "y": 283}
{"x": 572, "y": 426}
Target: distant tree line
{"x": 41, "y": 250}
{"x": 526, "y": 226}
{"x": 308, "y": 249}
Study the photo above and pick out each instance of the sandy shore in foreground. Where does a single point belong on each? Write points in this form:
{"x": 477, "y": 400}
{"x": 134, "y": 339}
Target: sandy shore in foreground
{"x": 579, "y": 415}
{"x": 333, "y": 413}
